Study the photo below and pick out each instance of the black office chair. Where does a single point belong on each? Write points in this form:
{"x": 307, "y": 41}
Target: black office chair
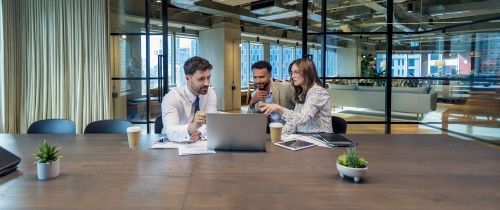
{"x": 339, "y": 125}
{"x": 158, "y": 124}
{"x": 52, "y": 126}
{"x": 108, "y": 126}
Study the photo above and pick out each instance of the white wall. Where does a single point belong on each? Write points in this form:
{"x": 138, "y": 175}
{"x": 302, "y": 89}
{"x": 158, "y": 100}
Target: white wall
{"x": 347, "y": 62}
{"x": 220, "y": 46}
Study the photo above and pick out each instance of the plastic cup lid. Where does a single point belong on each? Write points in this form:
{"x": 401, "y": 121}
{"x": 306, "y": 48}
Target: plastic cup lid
{"x": 275, "y": 125}
{"x": 134, "y": 129}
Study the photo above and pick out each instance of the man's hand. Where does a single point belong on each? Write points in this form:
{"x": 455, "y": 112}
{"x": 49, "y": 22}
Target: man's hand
{"x": 196, "y": 136}
{"x": 198, "y": 120}
{"x": 260, "y": 95}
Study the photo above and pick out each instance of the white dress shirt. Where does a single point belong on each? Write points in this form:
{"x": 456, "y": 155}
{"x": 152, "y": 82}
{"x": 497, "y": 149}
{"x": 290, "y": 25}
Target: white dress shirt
{"x": 178, "y": 111}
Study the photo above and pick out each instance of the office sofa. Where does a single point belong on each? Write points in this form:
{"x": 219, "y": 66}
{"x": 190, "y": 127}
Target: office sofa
{"x": 419, "y": 100}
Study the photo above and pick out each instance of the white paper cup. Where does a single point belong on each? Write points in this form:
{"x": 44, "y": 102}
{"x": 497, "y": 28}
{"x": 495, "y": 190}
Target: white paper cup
{"x": 134, "y": 136}
{"x": 275, "y": 130}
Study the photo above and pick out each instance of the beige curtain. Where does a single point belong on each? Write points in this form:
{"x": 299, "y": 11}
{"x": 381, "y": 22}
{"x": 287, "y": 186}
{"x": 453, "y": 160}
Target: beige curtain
{"x": 11, "y": 66}
{"x": 63, "y": 65}
{"x": 2, "y": 97}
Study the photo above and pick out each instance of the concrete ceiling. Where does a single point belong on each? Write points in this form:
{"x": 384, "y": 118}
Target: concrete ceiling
{"x": 273, "y": 17}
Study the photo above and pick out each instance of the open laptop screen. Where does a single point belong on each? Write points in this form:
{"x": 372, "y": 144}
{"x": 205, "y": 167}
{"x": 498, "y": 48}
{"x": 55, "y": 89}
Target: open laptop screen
{"x": 245, "y": 132}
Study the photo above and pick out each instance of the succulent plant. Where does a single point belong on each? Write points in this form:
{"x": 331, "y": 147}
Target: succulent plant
{"x": 47, "y": 153}
{"x": 351, "y": 159}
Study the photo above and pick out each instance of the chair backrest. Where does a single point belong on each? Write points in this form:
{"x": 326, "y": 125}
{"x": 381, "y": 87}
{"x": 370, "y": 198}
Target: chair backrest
{"x": 339, "y": 125}
{"x": 158, "y": 124}
{"x": 53, "y": 126}
{"x": 108, "y": 126}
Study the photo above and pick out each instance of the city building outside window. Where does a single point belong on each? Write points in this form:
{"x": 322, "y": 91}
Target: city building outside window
{"x": 186, "y": 47}
{"x": 275, "y": 58}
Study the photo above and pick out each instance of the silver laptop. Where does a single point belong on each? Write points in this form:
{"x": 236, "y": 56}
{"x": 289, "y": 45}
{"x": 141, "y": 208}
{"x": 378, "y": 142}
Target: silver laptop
{"x": 246, "y": 132}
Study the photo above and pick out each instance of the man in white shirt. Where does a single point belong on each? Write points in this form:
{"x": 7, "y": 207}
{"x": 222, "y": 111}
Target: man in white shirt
{"x": 184, "y": 108}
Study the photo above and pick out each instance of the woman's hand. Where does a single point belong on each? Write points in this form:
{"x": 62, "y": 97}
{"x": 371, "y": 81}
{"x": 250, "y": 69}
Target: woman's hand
{"x": 268, "y": 108}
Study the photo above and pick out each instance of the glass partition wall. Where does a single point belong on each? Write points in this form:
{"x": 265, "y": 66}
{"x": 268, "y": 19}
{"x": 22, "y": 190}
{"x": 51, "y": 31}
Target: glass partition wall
{"x": 444, "y": 69}
{"x": 137, "y": 49}
{"x": 390, "y": 66}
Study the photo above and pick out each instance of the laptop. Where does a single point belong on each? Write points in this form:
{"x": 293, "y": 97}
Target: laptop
{"x": 8, "y": 162}
{"x": 243, "y": 132}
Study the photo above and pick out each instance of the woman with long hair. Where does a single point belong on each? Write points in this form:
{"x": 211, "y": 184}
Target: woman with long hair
{"x": 312, "y": 113}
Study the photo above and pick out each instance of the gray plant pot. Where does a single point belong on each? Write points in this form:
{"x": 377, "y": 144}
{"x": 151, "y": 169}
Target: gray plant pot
{"x": 48, "y": 170}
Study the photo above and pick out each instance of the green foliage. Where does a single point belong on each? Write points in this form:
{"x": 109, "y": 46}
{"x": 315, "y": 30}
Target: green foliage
{"x": 47, "y": 153}
{"x": 352, "y": 159}
{"x": 367, "y": 65}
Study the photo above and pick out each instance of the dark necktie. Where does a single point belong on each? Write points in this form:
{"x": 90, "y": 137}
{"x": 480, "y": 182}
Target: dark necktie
{"x": 196, "y": 104}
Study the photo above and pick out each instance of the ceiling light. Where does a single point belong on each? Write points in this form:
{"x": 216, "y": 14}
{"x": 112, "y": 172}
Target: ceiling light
{"x": 409, "y": 7}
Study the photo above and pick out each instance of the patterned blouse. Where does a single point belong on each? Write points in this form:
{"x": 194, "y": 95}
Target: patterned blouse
{"x": 313, "y": 116}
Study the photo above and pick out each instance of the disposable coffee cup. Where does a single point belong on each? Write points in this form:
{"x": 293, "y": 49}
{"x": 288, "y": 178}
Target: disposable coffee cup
{"x": 275, "y": 130}
{"x": 134, "y": 136}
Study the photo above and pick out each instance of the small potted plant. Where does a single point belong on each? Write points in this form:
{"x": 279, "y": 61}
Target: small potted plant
{"x": 352, "y": 165}
{"x": 47, "y": 165}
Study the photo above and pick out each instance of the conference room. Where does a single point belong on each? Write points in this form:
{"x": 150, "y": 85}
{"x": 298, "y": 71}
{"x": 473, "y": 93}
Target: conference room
{"x": 413, "y": 87}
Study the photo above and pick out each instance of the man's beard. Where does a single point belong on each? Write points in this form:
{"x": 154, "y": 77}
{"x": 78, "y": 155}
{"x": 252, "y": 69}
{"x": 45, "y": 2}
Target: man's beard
{"x": 261, "y": 86}
{"x": 203, "y": 90}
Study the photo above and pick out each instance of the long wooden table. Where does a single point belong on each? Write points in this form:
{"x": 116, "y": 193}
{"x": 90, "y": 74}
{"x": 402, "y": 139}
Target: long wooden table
{"x": 405, "y": 172}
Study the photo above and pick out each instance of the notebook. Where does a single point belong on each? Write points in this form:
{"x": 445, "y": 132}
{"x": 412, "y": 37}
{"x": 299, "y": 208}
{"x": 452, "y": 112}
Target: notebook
{"x": 245, "y": 132}
{"x": 335, "y": 140}
{"x": 8, "y": 162}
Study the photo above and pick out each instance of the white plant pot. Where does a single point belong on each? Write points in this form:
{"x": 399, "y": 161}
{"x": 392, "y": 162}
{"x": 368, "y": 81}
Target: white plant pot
{"x": 48, "y": 170}
{"x": 355, "y": 173}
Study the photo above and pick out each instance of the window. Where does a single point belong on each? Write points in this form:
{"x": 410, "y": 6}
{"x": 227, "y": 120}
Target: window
{"x": 245, "y": 65}
{"x": 155, "y": 52}
{"x": 411, "y": 62}
{"x": 298, "y": 52}
{"x": 381, "y": 62}
{"x": 256, "y": 54}
{"x": 434, "y": 57}
{"x": 250, "y": 53}
{"x": 433, "y": 70}
{"x": 331, "y": 59}
{"x": 185, "y": 48}
{"x": 288, "y": 57}
{"x": 275, "y": 60}
{"x": 316, "y": 57}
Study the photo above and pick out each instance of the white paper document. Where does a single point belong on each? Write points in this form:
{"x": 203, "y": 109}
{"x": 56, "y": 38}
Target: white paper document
{"x": 288, "y": 137}
{"x": 165, "y": 145}
{"x": 196, "y": 148}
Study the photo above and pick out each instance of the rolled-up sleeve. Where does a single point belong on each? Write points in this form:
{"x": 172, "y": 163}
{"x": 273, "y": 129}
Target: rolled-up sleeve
{"x": 171, "y": 122}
